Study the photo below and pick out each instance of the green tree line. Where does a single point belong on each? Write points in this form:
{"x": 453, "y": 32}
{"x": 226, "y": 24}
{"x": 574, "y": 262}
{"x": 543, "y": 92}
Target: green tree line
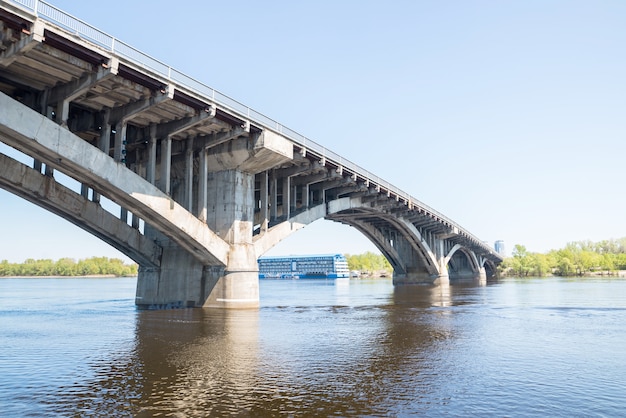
{"x": 369, "y": 263}
{"x": 68, "y": 267}
{"x": 576, "y": 259}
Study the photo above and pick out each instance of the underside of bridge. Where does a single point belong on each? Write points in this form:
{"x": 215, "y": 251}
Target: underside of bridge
{"x": 204, "y": 186}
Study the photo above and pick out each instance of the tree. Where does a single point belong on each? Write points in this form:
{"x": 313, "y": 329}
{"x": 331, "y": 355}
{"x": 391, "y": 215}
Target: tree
{"x": 576, "y": 258}
{"x": 368, "y": 262}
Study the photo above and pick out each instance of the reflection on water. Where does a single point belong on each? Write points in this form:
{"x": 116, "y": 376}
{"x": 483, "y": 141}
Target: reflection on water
{"x": 320, "y": 348}
{"x": 212, "y": 360}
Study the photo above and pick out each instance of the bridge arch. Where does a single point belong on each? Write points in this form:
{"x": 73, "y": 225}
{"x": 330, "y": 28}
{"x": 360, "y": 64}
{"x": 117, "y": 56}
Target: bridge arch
{"x": 462, "y": 263}
{"x": 45, "y": 192}
{"x": 396, "y": 238}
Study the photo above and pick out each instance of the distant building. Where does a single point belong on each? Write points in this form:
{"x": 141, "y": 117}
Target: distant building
{"x": 330, "y": 266}
{"x": 499, "y": 247}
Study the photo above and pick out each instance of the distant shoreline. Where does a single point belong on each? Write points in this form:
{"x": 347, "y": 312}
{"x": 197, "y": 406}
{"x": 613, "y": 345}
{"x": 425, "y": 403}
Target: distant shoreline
{"x": 89, "y": 276}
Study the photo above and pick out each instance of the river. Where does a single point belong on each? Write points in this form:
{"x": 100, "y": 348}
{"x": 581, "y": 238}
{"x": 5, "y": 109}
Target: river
{"x": 531, "y": 347}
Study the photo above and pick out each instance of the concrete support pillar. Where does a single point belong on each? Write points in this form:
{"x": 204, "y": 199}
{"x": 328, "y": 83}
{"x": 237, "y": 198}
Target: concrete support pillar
{"x": 231, "y": 216}
{"x": 152, "y": 152}
{"x": 63, "y": 112}
{"x": 416, "y": 266}
{"x": 124, "y": 215}
{"x": 49, "y": 171}
{"x": 273, "y": 196}
{"x": 119, "y": 155}
{"x": 166, "y": 165}
{"x": 482, "y": 276}
{"x": 420, "y": 278}
{"x": 203, "y": 172}
{"x": 286, "y": 197}
{"x": 176, "y": 284}
{"x": 104, "y": 143}
{"x": 440, "y": 251}
{"x": 305, "y": 196}
{"x": 226, "y": 201}
{"x": 135, "y": 221}
{"x": 189, "y": 175}
{"x": 119, "y": 146}
{"x": 264, "y": 201}
{"x": 183, "y": 281}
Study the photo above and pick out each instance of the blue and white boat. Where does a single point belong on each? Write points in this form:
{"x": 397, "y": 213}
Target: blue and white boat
{"x": 328, "y": 266}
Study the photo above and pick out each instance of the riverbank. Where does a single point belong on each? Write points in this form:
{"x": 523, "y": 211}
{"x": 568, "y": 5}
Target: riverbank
{"x": 598, "y": 274}
{"x": 618, "y": 273}
{"x": 90, "y": 276}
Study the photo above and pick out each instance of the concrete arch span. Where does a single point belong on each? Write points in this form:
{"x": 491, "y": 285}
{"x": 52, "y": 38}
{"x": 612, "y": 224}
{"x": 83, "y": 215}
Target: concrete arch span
{"x": 417, "y": 254}
{"x": 38, "y": 136}
{"x": 402, "y": 245}
{"x": 397, "y": 238}
{"x": 45, "y": 192}
{"x": 174, "y": 237}
{"x": 268, "y": 238}
{"x": 462, "y": 264}
{"x": 412, "y": 257}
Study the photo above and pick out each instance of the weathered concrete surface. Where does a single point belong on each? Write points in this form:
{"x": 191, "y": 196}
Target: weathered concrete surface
{"x": 251, "y": 155}
{"x": 231, "y": 214}
{"x": 44, "y": 191}
{"x": 421, "y": 278}
{"x": 412, "y": 258}
{"x": 34, "y": 134}
{"x": 269, "y": 239}
{"x": 176, "y": 284}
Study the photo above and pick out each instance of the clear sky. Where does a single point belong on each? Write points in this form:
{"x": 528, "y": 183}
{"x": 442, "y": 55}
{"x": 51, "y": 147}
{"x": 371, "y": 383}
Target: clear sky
{"x": 509, "y": 117}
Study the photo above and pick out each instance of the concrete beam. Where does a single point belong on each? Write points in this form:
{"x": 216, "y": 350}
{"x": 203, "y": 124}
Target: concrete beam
{"x": 312, "y": 178}
{"x": 299, "y": 172}
{"x": 221, "y": 137}
{"x": 250, "y": 155}
{"x": 78, "y": 87}
{"x": 268, "y": 239}
{"x": 128, "y": 111}
{"x": 177, "y": 126}
{"x": 380, "y": 241}
{"x": 405, "y": 228}
{"x": 45, "y": 192}
{"x": 24, "y": 45}
{"x": 35, "y": 135}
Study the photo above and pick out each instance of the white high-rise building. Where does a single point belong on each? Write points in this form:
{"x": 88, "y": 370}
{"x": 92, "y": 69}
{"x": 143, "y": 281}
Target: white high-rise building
{"x": 499, "y": 247}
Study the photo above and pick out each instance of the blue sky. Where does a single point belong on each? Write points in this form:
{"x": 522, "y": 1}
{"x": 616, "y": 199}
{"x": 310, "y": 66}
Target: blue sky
{"x": 507, "y": 116}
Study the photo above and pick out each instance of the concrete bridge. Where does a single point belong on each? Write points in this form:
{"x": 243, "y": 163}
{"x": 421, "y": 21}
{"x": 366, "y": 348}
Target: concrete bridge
{"x": 204, "y": 184}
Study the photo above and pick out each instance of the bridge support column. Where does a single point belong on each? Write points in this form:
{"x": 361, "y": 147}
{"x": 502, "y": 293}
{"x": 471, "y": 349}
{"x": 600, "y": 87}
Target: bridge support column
{"x": 237, "y": 285}
{"x": 226, "y": 202}
{"x": 183, "y": 280}
{"x": 178, "y": 283}
{"x": 231, "y": 216}
{"x": 482, "y": 276}
{"x": 422, "y": 278}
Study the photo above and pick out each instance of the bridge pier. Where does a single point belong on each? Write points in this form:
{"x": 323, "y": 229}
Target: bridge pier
{"x": 184, "y": 281}
{"x": 177, "y": 283}
{"x": 421, "y": 278}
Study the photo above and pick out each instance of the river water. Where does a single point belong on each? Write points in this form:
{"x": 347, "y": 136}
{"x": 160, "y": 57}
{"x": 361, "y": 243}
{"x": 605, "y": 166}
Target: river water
{"x": 539, "y": 347}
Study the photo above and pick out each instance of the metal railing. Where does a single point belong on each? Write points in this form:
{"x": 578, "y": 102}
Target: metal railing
{"x": 116, "y": 47}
